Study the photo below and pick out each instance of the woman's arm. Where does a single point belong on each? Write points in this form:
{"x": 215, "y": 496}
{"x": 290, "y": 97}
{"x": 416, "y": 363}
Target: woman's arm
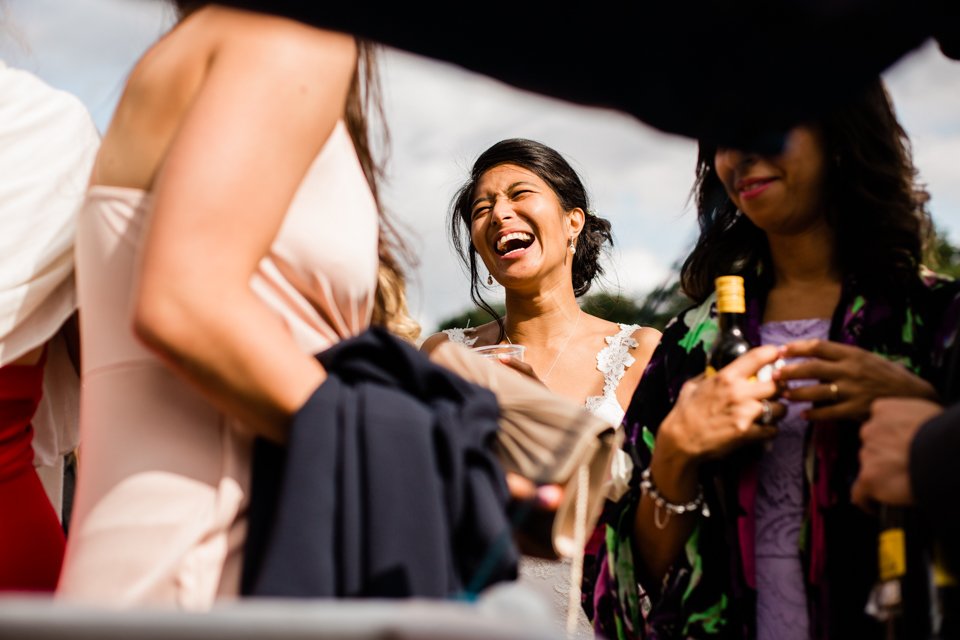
{"x": 711, "y": 418}
{"x": 271, "y": 97}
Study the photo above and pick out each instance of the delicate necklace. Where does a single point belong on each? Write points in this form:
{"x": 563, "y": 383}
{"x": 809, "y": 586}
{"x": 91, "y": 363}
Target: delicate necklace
{"x": 562, "y": 349}
{"x": 565, "y": 344}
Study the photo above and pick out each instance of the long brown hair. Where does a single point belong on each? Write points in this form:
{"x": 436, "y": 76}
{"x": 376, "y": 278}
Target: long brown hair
{"x": 364, "y": 99}
{"x": 871, "y": 199}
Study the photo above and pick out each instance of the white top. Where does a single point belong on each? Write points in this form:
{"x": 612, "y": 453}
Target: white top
{"x": 551, "y": 578}
{"x": 48, "y": 143}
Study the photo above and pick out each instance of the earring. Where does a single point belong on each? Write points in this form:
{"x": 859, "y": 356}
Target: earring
{"x": 490, "y": 279}
{"x": 572, "y": 247}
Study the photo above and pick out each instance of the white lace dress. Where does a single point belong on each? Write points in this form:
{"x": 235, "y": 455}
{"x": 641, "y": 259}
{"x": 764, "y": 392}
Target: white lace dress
{"x": 551, "y": 578}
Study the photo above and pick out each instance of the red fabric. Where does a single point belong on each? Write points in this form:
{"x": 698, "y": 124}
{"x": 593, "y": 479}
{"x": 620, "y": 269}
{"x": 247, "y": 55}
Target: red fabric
{"x": 747, "y": 522}
{"x": 31, "y": 538}
{"x": 825, "y": 452}
{"x": 20, "y": 389}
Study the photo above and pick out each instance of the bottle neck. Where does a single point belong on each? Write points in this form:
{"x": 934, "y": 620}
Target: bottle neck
{"x": 730, "y": 322}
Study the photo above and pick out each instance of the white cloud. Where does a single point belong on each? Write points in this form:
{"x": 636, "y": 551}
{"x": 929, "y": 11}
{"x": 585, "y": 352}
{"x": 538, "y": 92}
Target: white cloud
{"x": 633, "y": 272}
{"x": 925, "y": 87}
{"x": 86, "y": 47}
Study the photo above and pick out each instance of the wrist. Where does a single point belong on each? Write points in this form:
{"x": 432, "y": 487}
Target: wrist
{"x": 675, "y": 470}
{"x": 665, "y": 507}
{"x": 672, "y": 449}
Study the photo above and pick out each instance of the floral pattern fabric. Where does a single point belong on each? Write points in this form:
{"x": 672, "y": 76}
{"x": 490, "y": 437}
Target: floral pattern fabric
{"x": 706, "y": 594}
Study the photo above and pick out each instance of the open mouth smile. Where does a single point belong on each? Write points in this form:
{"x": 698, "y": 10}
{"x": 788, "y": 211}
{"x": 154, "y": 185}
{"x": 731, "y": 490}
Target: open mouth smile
{"x": 513, "y": 242}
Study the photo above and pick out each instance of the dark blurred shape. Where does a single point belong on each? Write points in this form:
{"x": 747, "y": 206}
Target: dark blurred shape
{"x": 725, "y": 72}
{"x": 945, "y": 19}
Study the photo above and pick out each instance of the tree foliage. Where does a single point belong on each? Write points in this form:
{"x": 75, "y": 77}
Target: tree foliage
{"x": 942, "y": 256}
{"x": 471, "y": 318}
{"x": 654, "y": 310}
{"x": 666, "y": 300}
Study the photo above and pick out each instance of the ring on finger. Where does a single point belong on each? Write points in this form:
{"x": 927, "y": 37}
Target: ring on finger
{"x": 766, "y": 413}
{"x": 834, "y": 392}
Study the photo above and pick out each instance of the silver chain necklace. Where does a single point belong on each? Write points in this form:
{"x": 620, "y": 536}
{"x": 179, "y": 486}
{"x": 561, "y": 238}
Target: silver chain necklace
{"x": 562, "y": 349}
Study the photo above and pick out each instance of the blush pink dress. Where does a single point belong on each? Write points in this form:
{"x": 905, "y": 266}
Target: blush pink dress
{"x": 159, "y": 517}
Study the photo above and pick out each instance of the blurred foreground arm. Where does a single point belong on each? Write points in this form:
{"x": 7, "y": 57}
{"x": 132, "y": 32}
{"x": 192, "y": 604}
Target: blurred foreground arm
{"x": 266, "y": 108}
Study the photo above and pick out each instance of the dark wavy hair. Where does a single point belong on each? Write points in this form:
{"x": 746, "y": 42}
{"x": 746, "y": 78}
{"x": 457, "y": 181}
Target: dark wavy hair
{"x": 870, "y": 196}
{"x": 553, "y": 169}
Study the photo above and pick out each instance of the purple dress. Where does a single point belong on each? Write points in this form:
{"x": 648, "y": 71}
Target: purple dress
{"x": 781, "y": 596}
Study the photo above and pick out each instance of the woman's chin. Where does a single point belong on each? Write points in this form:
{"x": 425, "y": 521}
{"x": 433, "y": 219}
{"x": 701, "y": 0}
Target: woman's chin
{"x": 520, "y": 278}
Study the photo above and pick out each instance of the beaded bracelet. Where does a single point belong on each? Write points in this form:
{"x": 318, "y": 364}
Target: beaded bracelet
{"x": 648, "y": 487}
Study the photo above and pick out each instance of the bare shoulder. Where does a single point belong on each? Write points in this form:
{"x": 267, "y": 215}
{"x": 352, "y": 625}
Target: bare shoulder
{"x": 249, "y": 64}
{"x": 274, "y": 40}
{"x": 215, "y": 36}
{"x": 434, "y": 341}
{"x": 647, "y": 339}
{"x": 479, "y": 336}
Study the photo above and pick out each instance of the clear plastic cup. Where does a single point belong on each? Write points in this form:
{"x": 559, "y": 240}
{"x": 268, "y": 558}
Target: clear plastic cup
{"x": 494, "y": 351}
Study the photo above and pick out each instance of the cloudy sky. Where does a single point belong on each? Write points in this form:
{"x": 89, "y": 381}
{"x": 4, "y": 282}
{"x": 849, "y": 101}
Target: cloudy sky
{"x": 441, "y": 117}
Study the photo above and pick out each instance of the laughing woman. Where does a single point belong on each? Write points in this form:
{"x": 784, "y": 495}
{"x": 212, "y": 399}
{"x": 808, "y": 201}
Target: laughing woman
{"x": 524, "y": 212}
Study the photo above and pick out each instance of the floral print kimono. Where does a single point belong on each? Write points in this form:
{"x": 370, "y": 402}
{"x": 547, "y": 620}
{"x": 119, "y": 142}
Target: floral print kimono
{"x": 706, "y": 593}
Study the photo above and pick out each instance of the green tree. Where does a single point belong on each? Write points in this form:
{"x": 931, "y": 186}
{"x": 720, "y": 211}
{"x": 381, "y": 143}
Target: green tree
{"x": 654, "y": 310}
{"x": 942, "y": 256}
{"x": 663, "y": 303}
{"x": 470, "y": 318}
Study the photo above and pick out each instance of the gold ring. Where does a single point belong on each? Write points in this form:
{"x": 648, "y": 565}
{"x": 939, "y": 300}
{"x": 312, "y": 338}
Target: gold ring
{"x": 834, "y": 391}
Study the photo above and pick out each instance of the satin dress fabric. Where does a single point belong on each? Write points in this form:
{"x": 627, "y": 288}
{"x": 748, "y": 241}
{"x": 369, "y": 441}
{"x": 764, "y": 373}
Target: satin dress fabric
{"x": 160, "y": 511}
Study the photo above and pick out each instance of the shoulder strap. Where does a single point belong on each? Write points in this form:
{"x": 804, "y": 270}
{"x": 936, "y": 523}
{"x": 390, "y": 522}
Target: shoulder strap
{"x": 613, "y": 359}
{"x": 459, "y": 336}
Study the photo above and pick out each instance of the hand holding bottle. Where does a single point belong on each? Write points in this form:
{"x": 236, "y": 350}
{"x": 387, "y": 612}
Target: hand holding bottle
{"x": 716, "y": 414}
{"x": 885, "y": 451}
{"x": 730, "y": 404}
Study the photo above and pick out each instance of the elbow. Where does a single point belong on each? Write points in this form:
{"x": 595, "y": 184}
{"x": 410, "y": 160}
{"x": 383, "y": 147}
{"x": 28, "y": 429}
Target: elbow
{"x": 148, "y": 326}
{"x": 160, "y": 323}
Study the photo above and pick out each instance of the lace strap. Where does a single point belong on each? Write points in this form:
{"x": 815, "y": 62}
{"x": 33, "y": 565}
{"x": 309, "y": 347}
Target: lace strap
{"x": 613, "y": 359}
{"x": 459, "y": 336}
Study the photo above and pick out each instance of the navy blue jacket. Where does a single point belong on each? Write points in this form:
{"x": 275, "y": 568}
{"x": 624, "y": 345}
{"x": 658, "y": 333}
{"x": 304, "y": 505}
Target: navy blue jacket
{"x": 388, "y": 486}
